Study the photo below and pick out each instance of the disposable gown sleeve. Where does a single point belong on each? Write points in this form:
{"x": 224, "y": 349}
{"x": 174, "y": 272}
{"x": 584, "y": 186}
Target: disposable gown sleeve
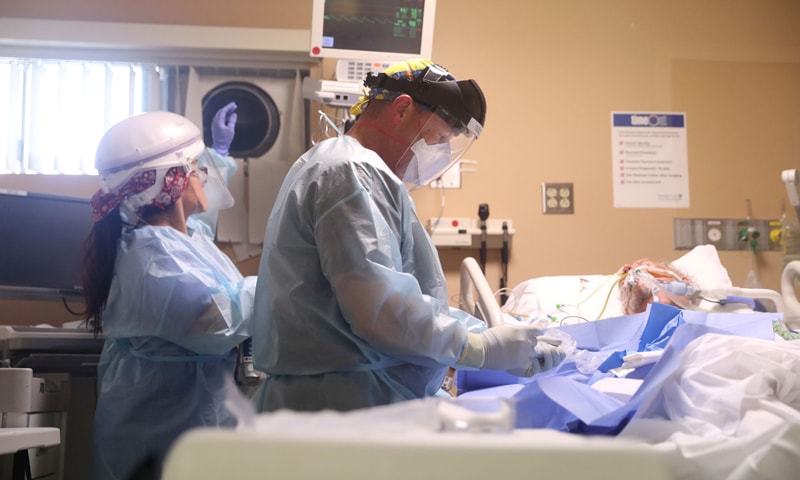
{"x": 222, "y": 317}
{"x": 360, "y": 249}
{"x": 474, "y": 325}
{"x": 189, "y": 294}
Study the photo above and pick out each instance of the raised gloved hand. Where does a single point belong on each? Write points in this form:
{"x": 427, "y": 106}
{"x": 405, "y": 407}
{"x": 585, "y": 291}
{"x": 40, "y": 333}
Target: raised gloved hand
{"x": 511, "y": 348}
{"x": 222, "y": 128}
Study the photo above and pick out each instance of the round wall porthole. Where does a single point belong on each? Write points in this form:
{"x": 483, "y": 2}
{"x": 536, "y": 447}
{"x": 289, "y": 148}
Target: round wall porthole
{"x": 257, "y": 123}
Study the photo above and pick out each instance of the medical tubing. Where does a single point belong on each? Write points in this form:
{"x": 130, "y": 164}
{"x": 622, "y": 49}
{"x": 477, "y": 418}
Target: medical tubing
{"x": 679, "y": 288}
{"x": 435, "y": 223}
{"x": 741, "y": 295}
{"x": 722, "y": 297}
{"x": 327, "y": 118}
{"x": 751, "y": 303}
{"x": 563, "y": 320}
{"x": 683, "y": 300}
{"x": 326, "y": 126}
{"x": 608, "y": 295}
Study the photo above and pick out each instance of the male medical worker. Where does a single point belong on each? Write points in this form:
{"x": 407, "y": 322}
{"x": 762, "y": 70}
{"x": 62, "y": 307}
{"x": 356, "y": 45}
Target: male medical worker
{"x": 171, "y": 305}
{"x": 351, "y": 305}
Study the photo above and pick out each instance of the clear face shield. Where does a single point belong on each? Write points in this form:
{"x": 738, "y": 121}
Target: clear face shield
{"x": 441, "y": 142}
{"x": 214, "y": 181}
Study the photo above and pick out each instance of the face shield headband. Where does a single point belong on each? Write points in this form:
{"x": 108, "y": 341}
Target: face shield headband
{"x": 435, "y": 88}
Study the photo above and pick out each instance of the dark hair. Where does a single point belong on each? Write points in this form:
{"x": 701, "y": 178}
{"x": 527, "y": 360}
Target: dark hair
{"x": 99, "y": 256}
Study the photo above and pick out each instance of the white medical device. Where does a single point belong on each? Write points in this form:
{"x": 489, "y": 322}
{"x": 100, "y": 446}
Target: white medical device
{"x": 331, "y": 92}
{"x": 792, "y": 183}
{"x": 791, "y": 313}
{"x": 47, "y": 380}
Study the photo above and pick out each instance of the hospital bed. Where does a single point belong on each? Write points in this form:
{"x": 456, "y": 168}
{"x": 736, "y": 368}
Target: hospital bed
{"x": 757, "y": 434}
{"x": 720, "y": 401}
{"x": 556, "y": 300}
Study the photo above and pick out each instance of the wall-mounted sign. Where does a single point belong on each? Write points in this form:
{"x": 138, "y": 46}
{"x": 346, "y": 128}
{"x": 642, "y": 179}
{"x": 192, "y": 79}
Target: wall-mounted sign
{"x": 649, "y": 158}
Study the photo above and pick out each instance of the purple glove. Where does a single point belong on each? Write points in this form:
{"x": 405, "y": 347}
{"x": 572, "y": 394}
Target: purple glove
{"x": 222, "y": 128}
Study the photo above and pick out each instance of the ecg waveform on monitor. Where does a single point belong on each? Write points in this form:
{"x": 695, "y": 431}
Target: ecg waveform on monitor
{"x": 396, "y": 26}
{"x": 404, "y": 21}
{"x": 352, "y": 19}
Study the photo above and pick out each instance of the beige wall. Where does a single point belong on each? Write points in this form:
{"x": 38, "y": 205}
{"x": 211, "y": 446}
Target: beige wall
{"x": 552, "y": 71}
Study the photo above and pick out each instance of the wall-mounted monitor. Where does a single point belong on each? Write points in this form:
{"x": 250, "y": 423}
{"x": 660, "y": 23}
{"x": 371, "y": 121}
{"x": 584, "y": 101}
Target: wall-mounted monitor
{"x": 41, "y": 244}
{"x": 375, "y": 30}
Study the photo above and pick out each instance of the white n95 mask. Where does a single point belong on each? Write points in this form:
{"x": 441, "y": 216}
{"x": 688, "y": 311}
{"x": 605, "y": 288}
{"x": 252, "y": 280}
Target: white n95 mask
{"x": 428, "y": 162}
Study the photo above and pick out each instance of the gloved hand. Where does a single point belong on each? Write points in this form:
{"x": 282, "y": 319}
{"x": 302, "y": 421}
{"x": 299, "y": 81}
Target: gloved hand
{"x": 222, "y": 128}
{"x": 549, "y": 354}
{"x": 511, "y": 348}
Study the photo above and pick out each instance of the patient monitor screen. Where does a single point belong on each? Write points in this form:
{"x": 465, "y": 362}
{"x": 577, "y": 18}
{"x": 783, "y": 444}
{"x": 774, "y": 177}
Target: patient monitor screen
{"x": 380, "y": 28}
{"x": 41, "y": 241}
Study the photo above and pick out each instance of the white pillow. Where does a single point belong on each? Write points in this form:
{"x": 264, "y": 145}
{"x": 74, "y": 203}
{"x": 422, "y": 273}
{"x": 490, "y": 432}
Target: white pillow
{"x": 702, "y": 265}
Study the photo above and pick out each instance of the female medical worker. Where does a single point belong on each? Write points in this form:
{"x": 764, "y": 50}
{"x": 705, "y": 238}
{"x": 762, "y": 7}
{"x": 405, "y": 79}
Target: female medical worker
{"x": 171, "y": 306}
{"x": 351, "y": 304}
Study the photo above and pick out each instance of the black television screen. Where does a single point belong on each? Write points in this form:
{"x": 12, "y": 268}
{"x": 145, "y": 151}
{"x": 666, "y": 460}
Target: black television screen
{"x": 41, "y": 243}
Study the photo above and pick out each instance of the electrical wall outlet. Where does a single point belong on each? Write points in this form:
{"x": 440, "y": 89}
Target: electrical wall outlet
{"x": 558, "y": 198}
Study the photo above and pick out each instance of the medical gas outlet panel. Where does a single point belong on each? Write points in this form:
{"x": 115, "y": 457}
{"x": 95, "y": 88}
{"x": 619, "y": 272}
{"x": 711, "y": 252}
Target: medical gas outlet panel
{"x": 728, "y": 233}
{"x": 467, "y": 232}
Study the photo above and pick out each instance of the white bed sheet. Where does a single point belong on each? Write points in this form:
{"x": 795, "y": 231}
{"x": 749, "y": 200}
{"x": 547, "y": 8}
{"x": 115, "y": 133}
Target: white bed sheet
{"x": 731, "y": 410}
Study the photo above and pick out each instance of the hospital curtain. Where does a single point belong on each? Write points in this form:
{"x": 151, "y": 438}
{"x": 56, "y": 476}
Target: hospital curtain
{"x": 55, "y": 111}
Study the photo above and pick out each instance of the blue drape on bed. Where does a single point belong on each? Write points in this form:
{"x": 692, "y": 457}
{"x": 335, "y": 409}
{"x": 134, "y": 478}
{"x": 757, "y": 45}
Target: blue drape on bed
{"x": 563, "y": 398}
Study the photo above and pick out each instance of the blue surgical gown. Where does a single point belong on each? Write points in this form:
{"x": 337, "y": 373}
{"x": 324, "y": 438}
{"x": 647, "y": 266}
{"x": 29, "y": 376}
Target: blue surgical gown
{"x": 351, "y": 305}
{"x": 177, "y": 309}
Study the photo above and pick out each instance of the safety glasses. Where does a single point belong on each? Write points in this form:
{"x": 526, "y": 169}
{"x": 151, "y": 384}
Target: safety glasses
{"x": 201, "y": 172}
